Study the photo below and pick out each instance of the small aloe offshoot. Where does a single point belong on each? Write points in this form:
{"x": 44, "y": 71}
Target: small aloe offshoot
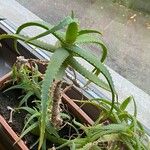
{"x": 63, "y": 56}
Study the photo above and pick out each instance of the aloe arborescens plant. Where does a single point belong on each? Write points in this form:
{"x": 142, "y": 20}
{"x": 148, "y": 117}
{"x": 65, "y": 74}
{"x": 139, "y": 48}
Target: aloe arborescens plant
{"x": 64, "y": 53}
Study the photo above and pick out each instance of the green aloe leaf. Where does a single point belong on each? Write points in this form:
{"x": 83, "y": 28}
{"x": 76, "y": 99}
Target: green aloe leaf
{"x": 35, "y": 115}
{"x": 54, "y": 65}
{"x": 37, "y": 43}
{"x": 28, "y": 109}
{"x": 71, "y": 33}
{"x": 61, "y": 71}
{"x": 29, "y": 129}
{"x": 125, "y": 103}
{"x": 105, "y": 102}
{"x": 87, "y": 31}
{"x": 73, "y": 146}
{"x": 28, "y": 24}
{"x": 98, "y": 65}
{"x": 120, "y": 127}
{"x": 61, "y": 25}
{"x": 135, "y": 107}
{"x": 128, "y": 143}
{"x": 44, "y": 25}
{"x": 14, "y": 87}
{"x": 87, "y": 74}
{"x": 88, "y": 39}
{"x": 25, "y": 98}
{"x": 50, "y": 129}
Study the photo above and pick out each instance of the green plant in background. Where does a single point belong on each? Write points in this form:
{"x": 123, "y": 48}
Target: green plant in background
{"x": 121, "y": 129}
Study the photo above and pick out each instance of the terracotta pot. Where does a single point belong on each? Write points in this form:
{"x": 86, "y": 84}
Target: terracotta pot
{"x": 12, "y": 136}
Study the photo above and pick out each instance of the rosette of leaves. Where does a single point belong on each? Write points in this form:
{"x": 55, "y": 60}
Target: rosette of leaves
{"x": 64, "y": 54}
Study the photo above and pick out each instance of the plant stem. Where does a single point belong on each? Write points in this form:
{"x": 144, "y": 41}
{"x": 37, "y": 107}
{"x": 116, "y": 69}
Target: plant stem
{"x": 56, "y": 94}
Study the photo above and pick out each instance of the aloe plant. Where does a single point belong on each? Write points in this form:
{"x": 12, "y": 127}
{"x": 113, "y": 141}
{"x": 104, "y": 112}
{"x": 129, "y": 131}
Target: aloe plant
{"x": 64, "y": 54}
{"x": 122, "y": 129}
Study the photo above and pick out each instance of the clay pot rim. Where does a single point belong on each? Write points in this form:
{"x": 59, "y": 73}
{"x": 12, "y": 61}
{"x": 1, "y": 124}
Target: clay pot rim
{"x": 12, "y": 135}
